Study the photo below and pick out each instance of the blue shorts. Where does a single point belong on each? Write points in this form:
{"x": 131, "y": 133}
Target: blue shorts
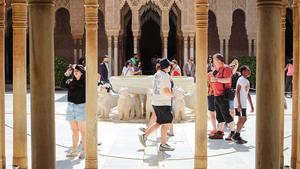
{"x": 231, "y": 104}
{"x": 75, "y": 112}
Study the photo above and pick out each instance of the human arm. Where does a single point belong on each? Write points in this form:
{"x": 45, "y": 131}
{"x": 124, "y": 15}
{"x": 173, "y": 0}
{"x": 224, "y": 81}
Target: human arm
{"x": 238, "y": 94}
{"x": 250, "y": 101}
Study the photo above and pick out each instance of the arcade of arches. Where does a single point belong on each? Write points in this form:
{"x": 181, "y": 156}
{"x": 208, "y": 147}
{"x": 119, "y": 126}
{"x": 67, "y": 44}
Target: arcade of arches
{"x": 231, "y": 32}
{"x": 179, "y": 29}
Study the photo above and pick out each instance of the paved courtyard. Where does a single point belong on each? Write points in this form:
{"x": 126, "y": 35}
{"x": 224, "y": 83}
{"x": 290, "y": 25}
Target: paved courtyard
{"x": 120, "y": 148}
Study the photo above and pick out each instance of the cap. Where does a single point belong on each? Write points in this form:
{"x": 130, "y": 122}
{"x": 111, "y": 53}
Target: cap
{"x": 164, "y": 63}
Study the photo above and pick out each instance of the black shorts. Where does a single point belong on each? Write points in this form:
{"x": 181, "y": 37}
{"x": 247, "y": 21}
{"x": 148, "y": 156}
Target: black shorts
{"x": 163, "y": 114}
{"x": 244, "y": 113}
{"x": 211, "y": 103}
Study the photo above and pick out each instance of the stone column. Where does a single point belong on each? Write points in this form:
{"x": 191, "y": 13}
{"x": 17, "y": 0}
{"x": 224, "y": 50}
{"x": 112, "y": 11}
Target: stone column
{"x": 19, "y": 13}
{"x": 254, "y": 47}
{"x": 185, "y": 49}
{"x": 135, "y": 42}
{"x": 268, "y": 110}
{"x": 282, "y": 66}
{"x": 295, "y": 105}
{"x": 80, "y": 54}
{"x": 298, "y": 53}
{"x": 201, "y": 73}
{"x": 165, "y": 38}
{"x": 192, "y": 46}
{"x": 91, "y": 27}
{"x": 41, "y": 26}
{"x": 75, "y": 50}
{"x": 222, "y": 46}
{"x": 2, "y": 85}
{"x": 109, "y": 37}
{"x": 250, "y": 47}
{"x": 226, "y": 50}
{"x": 116, "y": 59}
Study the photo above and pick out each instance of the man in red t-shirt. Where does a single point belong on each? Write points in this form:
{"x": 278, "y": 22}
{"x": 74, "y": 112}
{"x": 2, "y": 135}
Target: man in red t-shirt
{"x": 222, "y": 75}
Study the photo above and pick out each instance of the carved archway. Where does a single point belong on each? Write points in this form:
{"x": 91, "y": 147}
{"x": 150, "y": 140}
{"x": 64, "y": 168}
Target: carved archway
{"x": 213, "y": 36}
{"x": 150, "y": 41}
{"x": 63, "y": 41}
{"x": 238, "y": 42}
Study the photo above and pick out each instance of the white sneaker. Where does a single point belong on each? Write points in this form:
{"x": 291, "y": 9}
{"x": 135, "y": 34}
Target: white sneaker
{"x": 165, "y": 147}
{"x": 81, "y": 155}
{"x": 72, "y": 154}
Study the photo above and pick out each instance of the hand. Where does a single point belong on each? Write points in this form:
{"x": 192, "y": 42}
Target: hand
{"x": 239, "y": 108}
{"x": 68, "y": 72}
{"x": 252, "y": 109}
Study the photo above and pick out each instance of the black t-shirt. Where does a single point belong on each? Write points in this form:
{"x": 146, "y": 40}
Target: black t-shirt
{"x": 76, "y": 90}
{"x": 234, "y": 80}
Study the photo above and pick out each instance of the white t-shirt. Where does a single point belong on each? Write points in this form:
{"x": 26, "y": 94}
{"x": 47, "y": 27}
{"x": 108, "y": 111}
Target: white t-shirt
{"x": 161, "y": 80}
{"x": 245, "y": 86}
{"x": 127, "y": 71}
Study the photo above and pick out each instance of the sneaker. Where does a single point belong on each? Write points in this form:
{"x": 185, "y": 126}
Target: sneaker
{"x": 165, "y": 147}
{"x": 239, "y": 140}
{"x": 72, "y": 154}
{"x": 143, "y": 139}
{"x": 229, "y": 138}
{"x": 170, "y": 134}
{"x": 217, "y": 135}
{"x": 81, "y": 155}
{"x": 143, "y": 129}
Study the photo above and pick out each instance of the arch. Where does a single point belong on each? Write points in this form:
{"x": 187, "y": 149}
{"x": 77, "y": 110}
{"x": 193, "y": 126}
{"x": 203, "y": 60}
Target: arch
{"x": 173, "y": 37}
{"x": 126, "y": 36}
{"x": 102, "y": 37}
{"x": 63, "y": 40}
{"x": 238, "y": 42}
{"x": 150, "y": 41}
{"x": 8, "y": 48}
{"x": 213, "y": 36}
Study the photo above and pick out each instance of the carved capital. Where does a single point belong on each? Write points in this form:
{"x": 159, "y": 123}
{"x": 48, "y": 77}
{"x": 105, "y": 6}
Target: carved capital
{"x": 19, "y": 14}
{"x": 91, "y": 16}
{"x": 202, "y": 14}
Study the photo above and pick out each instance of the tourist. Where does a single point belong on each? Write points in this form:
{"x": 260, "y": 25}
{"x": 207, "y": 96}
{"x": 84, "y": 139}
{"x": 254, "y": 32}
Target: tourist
{"x": 211, "y": 101}
{"x": 210, "y": 64}
{"x": 240, "y": 102}
{"x": 175, "y": 71}
{"x": 138, "y": 69}
{"x": 235, "y": 76}
{"x": 189, "y": 68}
{"x": 104, "y": 70}
{"x": 135, "y": 59}
{"x": 222, "y": 83}
{"x": 128, "y": 69}
{"x": 76, "y": 115}
{"x": 161, "y": 102}
{"x": 289, "y": 78}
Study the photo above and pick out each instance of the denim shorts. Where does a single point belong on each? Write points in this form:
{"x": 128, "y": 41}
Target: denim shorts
{"x": 231, "y": 104}
{"x": 75, "y": 112}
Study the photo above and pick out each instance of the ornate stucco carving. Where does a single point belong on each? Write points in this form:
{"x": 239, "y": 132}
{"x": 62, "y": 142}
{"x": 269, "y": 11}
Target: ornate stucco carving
{"x": 63, "y": 4}
{"x": 213, "y": 5}
{"x": 238, "y": 4}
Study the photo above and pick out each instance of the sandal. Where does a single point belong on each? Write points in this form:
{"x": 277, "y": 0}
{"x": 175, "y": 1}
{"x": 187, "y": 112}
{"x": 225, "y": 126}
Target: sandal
{"x": 72, "y": 154}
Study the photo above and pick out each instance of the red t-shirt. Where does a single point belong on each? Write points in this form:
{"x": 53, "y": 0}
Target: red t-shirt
{"x": 224, "y": 72}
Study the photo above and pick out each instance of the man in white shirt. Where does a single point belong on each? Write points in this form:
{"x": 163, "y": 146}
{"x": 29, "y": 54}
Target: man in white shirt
{"x": 240, "y": 102}
{"x": 161, "y": 102}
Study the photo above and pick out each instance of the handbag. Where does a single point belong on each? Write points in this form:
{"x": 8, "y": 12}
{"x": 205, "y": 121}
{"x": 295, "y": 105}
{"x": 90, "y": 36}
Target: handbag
{"x": 228, "y": 94}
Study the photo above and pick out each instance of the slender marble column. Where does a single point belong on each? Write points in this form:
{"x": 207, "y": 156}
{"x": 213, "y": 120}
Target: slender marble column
{"x": 268, "y": 110}
{"x": 185, "y": 52}
{"x": 116, "y": 57}
{"x": 41, "y": 26}
{"x": 201, "y": 75}
{"x": 2, "y": 85}
{"x": 192, "y": 41}
{"x": 19, "y": 12}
